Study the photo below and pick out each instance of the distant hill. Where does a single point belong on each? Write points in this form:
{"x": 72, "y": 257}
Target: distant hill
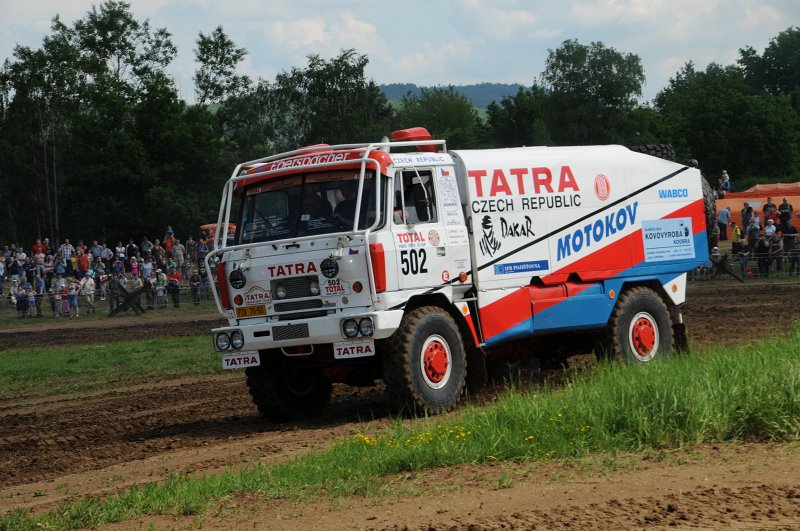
{"x": 480, "y": 94}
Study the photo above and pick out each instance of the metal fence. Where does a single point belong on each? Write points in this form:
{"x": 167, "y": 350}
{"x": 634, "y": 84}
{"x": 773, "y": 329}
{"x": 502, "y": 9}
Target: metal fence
{"x": 49, "y": 307}
{"x": 753, "y": 266}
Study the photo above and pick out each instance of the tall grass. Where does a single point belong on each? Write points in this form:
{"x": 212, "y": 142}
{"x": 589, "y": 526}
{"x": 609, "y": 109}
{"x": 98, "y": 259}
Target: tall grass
{"x": 752, "y": 393}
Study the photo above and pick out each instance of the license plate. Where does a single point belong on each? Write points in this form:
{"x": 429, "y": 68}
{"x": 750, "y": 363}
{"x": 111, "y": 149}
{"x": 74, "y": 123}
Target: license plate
{"x": 259, "y": 310}
{"x": 241, "y": 360}
{"x": 353, "y": 349}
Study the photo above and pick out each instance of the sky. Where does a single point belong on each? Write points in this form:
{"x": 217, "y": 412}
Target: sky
{"x": 444, "y": 42}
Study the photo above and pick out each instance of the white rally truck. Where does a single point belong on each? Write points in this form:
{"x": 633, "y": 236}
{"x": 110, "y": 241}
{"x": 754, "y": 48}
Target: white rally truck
{"x": 402, "y": 261}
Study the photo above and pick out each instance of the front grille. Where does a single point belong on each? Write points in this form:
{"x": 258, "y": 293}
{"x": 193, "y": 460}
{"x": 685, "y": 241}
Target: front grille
{"x": 296, "y": 287}
{"x": 298, "y": 305}
{"x": 282, "y": 333}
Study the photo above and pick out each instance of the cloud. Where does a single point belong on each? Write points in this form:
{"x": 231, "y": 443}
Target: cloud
{"x": 499, "y": 20}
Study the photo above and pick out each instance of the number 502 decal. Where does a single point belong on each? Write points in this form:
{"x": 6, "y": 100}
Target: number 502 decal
{"x": 413, "y": 261}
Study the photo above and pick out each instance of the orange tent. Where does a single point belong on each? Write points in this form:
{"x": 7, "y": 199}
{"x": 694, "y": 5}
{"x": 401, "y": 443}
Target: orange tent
{"x": 776, "y": 191}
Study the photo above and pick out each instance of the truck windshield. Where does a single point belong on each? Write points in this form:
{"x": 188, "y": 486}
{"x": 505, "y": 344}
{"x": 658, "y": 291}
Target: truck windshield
{"x": 307, "y": 205}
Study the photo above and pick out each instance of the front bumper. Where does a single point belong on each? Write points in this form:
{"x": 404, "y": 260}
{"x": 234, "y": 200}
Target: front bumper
{"x": 317, "y": 331}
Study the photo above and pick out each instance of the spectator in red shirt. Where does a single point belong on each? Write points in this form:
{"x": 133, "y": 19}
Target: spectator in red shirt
{"x": 83, "y": 264}
{"x": 173, "y": 286}
{"x": 38, "y": 247}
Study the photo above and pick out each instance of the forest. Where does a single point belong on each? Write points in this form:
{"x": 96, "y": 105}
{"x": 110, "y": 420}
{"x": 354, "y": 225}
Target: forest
{"x": 95, "y": 142}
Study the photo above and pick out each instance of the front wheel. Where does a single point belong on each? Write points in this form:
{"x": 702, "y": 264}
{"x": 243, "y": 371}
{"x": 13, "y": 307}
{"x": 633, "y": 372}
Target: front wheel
{"x": 640, "y": 328}
{"x": 424, "y": 363}
{"x": 283, "y": 390}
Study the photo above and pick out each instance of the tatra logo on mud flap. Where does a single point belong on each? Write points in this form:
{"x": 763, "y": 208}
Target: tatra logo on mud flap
{"x": 241, "y": 360}
{"x": 257, "y": 295}
{"x": 353, "y": 349}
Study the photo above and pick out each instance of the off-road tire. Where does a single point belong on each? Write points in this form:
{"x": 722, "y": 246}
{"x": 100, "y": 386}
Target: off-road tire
{"x": 710, "y": 205}
{"x": 667, "y": 152}
{"x": 283, "y": 392}
{"x": 417, "y": 378}
{"x": 662, "y": 151}
{"x": 639, "y": 330}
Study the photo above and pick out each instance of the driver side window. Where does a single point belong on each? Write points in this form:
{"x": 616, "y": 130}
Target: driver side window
{"x": 414, "y": 198}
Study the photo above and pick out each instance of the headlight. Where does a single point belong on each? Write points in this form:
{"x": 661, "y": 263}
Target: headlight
{"x": 366, "y": 327}
{"x": 223, "y": 341}
{"x": 350, "y": 328}
{"x": 280, "y": 291}
{"x": 314, "y": 288}
{"x": 237, "y": 340}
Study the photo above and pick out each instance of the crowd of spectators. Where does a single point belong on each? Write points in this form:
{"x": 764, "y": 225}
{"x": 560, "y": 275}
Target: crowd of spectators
{"x": 63, "y": 274}
{"x": 758, "y": 246}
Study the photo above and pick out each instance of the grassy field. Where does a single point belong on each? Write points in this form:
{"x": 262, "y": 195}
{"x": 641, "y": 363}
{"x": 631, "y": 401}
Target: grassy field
{"x": 749, "y": 394}
{"x": 83, "y": 368}
{"x": 9, "y": 318}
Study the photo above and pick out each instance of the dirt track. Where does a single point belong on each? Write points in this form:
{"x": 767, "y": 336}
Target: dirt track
{"x": 58, "y": 448}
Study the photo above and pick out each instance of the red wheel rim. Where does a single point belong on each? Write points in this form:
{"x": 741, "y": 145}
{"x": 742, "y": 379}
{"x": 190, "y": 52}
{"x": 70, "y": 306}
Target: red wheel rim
{"x": 644, "y": 336}
{"x": 435, "y": 359}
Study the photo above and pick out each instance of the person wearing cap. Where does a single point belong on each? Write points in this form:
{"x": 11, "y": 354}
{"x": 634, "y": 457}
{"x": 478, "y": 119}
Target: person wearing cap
{"x": 726, "y": 182}
{"x": 87, "y": 289}
{"x": 770, "y": 229}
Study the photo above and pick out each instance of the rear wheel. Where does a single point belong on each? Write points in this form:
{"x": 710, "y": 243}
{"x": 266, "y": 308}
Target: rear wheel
{"x": 424, "y": 363}
{"x": 283, "y": 390}
{"x": 640, "y": 328}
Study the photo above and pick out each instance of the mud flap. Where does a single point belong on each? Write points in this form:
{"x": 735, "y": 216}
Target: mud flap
{"x": 476, "y": 369}
{"x": 680, "y": 339}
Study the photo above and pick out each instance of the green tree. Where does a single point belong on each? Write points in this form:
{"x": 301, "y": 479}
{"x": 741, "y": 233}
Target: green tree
{"x": 592, "y": 89}
{"x": 445, "y": 113}
{"x": 777, "y": 71}
{"x": 250, "y": 124}
{"x": 519, "y": 120}
{"x": 329, "y": 101}
{"x": 216, "y": 80}
{"x": 94, "y": 142}
{"x": 38, "y": 95}
{"x": 713, "y": 116}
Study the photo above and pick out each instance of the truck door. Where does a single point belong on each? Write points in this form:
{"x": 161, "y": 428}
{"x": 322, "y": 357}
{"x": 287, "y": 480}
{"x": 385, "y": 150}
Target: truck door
{"x": 423, "y": 258}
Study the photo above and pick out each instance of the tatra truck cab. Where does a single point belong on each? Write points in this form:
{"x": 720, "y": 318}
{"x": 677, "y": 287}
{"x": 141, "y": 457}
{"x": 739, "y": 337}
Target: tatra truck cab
{"x": 402, "y": 261}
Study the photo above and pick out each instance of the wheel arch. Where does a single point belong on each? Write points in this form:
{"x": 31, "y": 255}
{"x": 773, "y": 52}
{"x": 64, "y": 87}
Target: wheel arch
{"x": 441, "y": 301}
